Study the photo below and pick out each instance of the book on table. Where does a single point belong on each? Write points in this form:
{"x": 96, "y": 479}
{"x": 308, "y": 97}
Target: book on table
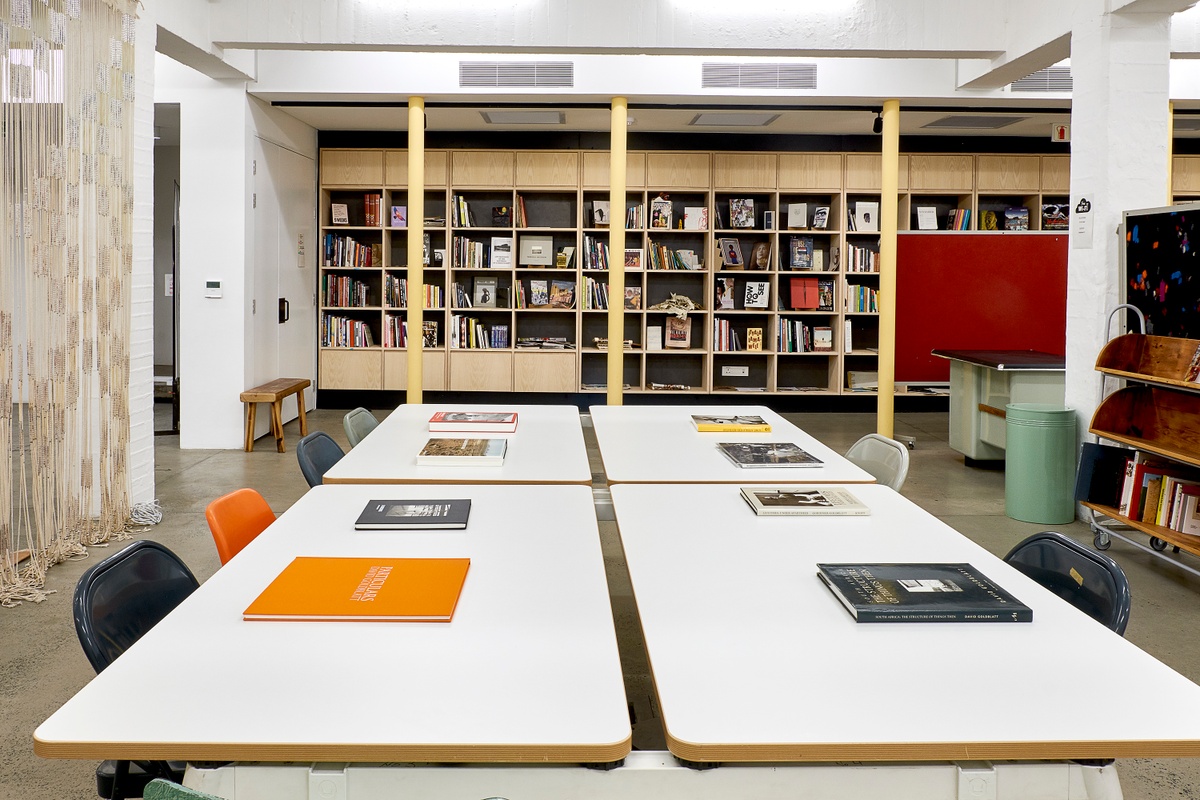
{"x": 803, "y": 501}
{"x": 463, "y": 453}
{"x": 922, "y": 592}
{"x": 474, "y": 421}
{"x": 768, "y": 454}
{"x": 334, "y": 589}
{"x": 383, "y": 515}
{"x": 736, "y": 423}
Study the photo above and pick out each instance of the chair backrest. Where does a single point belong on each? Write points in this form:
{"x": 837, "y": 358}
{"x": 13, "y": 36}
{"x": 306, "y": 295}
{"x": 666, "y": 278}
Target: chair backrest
{"x": 358, "y": 423}
{"x": 317, "y": 452}
{"x": 158, "y": 789}
{"x": 236, "y": 519}
{"x": 125, "y": 595}
{"x": 1090, "y": 581}
{"x": 884, "y": 458}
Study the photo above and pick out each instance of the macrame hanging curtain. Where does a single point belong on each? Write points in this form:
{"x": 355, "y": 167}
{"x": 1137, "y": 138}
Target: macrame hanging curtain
{"x": 67, "y": 92}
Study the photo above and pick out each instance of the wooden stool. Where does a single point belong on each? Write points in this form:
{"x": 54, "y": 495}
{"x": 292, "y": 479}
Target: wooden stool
{"x": 273, "y": 393}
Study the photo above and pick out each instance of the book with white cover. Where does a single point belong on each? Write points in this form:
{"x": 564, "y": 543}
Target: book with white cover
{"x": 463, "y": 453}
{"x": 866, "y": 216}
{"x": 474, "y": 421}
{"x": 803, "y": 501}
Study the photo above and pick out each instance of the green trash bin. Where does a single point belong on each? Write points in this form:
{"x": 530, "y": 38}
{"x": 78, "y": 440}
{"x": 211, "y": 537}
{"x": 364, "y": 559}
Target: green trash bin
{"x": 1039, "y": 466}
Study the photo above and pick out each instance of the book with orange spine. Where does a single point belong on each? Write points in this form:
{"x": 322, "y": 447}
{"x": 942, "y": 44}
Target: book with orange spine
{"x": 362, "y": 590}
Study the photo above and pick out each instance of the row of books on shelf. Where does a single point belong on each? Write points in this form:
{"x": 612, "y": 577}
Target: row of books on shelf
{"x": 345, "y": 332}
{"x": 396, "y": 293}
{"x": 545, "y": 294}
{"x": 395, "y": 332}
{"x": 861, "y": 298}
{"x": 728, "y": 339}
{"x": 595, "y": 253}
{"x": 469, "y": 333}
{"x": 1140, "y": 486}
{"x": 797, "y": 336}
{"x": 344, "y": 251}
{"x": 756, "y": 294}
{"x": 339, "y": 213}
{"x": 809, "y": 293}
{"x": 341, "y": 291}
{"x": 861, "y": 259}
{"x": 662, "y": 257}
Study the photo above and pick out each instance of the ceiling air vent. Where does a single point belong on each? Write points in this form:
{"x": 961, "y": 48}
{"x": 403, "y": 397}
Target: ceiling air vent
{"x": 516, "y": 73}
{"x": 758, "y": 75}
{"x": 1050, "y": 79}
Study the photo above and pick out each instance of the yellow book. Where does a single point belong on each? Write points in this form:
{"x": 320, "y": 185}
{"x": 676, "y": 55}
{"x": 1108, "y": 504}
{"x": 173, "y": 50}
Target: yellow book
{"x": 362, "y": 590}
{"x": 739, "y": 423}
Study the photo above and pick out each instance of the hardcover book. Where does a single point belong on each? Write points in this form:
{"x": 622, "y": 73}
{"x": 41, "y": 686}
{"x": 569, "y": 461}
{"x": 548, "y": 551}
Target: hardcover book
{"x": 679, "y": 333}
{"x": 735, "y": 423}
{"x": 339, "y": 213}
{"x": 768, "y": 454}
{"x": 633, "y": 298}
{"x": 797, "y": 215}
{"x": 383, "y": 515}
{"x": 399, "y": 216}
{"x": 803, "y": 501}
{"x": 562, "y": 294}
{"x": 539, "y": 293}
{"x": 921, "y": 593}
{"x": 501, "y": 252}
{"x": 463, "y": 453}
{"x": 1055, "y": 216}
{"x": 757, "y": 294}
{"x": 741, "y": 213}
{"x": 820, "y": 218}
{"x": 600, "y": 216}
{"x": 801, "y": 252}
{"x": 754, "y": 339}
{"x": 695, "y": 218}
{"x": 537, "y": 251}
{"x": 804, "y": 294}
{"x": 660, "y": 213}
{"x": 1016, "y": 219}
{"x": 485, "y": 292}
{"x": 331, "y": 589}
{"x": 474, "y": 421}
{"x": 866, "y": 216}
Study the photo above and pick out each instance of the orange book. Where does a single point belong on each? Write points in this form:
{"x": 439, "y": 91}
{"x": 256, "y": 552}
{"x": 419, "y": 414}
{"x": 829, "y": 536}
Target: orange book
{"x": 363, "y": 590}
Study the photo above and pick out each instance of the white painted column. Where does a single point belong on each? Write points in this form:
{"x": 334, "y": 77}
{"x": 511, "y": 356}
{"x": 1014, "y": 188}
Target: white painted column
{"x": 1119, "y": 161}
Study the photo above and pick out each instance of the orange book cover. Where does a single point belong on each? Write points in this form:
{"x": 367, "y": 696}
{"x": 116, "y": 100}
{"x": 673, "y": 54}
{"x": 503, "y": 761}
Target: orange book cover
{"x": 363, "y": 589}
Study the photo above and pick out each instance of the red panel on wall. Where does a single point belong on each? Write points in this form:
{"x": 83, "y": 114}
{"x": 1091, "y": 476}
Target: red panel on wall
{"x": 977, "y": 291}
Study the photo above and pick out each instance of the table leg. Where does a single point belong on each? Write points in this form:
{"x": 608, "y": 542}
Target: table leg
{"x": 250, "y": 410}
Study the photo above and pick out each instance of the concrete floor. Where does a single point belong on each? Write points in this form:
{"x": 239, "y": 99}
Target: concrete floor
{"x": 41, "y": 663}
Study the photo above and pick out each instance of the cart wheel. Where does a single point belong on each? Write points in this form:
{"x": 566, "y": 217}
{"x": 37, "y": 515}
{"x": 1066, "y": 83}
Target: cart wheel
{"x": 1101, "y": 542}
{"x": 1157, "y": 544}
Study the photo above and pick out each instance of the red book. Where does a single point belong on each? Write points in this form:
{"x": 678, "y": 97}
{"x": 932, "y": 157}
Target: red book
{"x": 804, "y": 293}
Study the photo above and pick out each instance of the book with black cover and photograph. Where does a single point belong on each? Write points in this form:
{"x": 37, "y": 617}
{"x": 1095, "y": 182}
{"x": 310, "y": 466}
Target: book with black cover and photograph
{"x": 803, "y": 501}
{"x": 768, "y": 454}
{"x": 921, "y": 593}
{"x": 474, "y": 421}
{"x": 463, "y": 453}
{"x": 383, "y": 515}
{"x": 737, "y": 423}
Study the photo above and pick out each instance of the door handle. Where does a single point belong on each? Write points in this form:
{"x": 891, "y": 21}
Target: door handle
{"x": 285, "y": 310}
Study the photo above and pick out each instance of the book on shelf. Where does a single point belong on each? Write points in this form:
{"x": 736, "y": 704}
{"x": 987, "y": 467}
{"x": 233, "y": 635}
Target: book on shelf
{"x": 730, "y": 253}
{"x": 923, "y": 592}
{"x": 825, "y": 294}
{"x": 654, "y": 337}
{"x": 565, "y": 258}
{"x": 847, "y": 335}
{"x": 769, "y": 220}
{"x": 385, "y": 515}
{"x": 820, "y": 220}
{"x": 500, "y": 254}
{"x": 463, "y": 452}
{"x": 501, "y": 216}
{"x": 754, "y": 339}
{"x": 803, "y": 294}
{"x": 858, "y": 380}
{"x": 562, "y": 294}
{"x": 866, "y": 216}
{"x": 429, "y": 333}
{"x": 757, "y": 294}
{"x": 926, "y": 218}
{"x": 634, "y": 258}
{"x": 473, "y": 421}
{"x": 1101, "y": 474}
{"x": 633, "y": 298}
{"x": 336, "y": 589}
{"x": 803, "y": 501}
{"x": 756, "y": 455}
{"x": 539, "y": 293}
{"x": 741, "y": 212}
{"x": 822, "y": 338}
{"x": 485, "y": 292}
{"x": 1016, "y": 219}
{"x": 800, "y": 253}
{"x": 1055, "y": 216}
{"x": 537, "y": 251}
{"x": 679, "y": 332}
{"x": 399, "y": 216}
{"x": 724, "y": 288}
{"x": 987, "y": 220}
{"x": 339, "y": 213}
{"x": 695, "y": 218}
{"x": 660, "y": 212}
{"x": 600, "y": 215}
{"x": 797, "y": 215}
{"x": 730, "y": 423}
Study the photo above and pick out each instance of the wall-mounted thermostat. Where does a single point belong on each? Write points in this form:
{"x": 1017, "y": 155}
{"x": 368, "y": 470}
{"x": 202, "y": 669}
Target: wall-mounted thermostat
{"x": 212, "y": 288}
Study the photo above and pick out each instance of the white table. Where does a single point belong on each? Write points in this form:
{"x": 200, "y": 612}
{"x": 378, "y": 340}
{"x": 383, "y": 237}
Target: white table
{"x": 547, "y": 447}
{"x": 755, "y": 660}
{"x": 659, "y": 444}
{"x": 527, "y": 671}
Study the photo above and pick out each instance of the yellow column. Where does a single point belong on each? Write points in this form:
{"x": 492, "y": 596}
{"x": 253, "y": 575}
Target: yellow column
{"x": 1170, "y": 151}
{"x": 888, "y": 210}
{"x": 616, "y": 251}
{"x": 416, "y": 245}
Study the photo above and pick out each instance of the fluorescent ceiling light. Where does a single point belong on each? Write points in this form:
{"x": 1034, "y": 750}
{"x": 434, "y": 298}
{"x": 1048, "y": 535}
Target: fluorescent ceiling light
{"x": 736, "y": 119}
{"x": 972, "y": 122}
{"x": 523, "y": 117}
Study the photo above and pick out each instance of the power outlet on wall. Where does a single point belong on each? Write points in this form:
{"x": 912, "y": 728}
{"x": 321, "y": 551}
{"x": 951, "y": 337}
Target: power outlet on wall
{"x": 735, "y": 372}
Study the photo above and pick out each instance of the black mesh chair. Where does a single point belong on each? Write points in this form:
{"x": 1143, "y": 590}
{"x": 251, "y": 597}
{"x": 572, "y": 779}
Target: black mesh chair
{"x": 1090, "y": 581}
{"x": 316, "y": 453}
{"x": 116, "y": 602}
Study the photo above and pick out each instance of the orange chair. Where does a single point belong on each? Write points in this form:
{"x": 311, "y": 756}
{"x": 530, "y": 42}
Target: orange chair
{"x": 236, "y": 519}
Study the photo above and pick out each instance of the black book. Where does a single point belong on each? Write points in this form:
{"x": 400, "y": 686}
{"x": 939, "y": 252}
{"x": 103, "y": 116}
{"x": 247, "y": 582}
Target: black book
{"x": 1101, "y": 473}
{"x": 381, "y": 515}
{"x": 921, "y": 593}
{"x": 768, "y": 454}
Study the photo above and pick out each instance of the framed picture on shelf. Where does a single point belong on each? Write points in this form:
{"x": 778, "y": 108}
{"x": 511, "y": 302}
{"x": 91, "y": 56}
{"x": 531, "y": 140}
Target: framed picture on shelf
{"x": 339, "y": 213}
{"x": 485, "y": 292}
{"x": 634, "y": 258}
{"x": 731, "y": 253}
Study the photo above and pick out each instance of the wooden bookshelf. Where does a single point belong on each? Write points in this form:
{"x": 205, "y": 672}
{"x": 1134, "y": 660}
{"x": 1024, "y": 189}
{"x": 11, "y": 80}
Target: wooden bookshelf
{"x": 559, "y": 190}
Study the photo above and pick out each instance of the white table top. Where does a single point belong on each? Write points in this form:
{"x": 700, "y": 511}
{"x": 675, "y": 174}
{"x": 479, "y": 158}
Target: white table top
{"x": 547, "y": 447}
{"x": 659, "y": 444}
{"x": 526, "y": 671}
{"x": 754, "y": 659}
